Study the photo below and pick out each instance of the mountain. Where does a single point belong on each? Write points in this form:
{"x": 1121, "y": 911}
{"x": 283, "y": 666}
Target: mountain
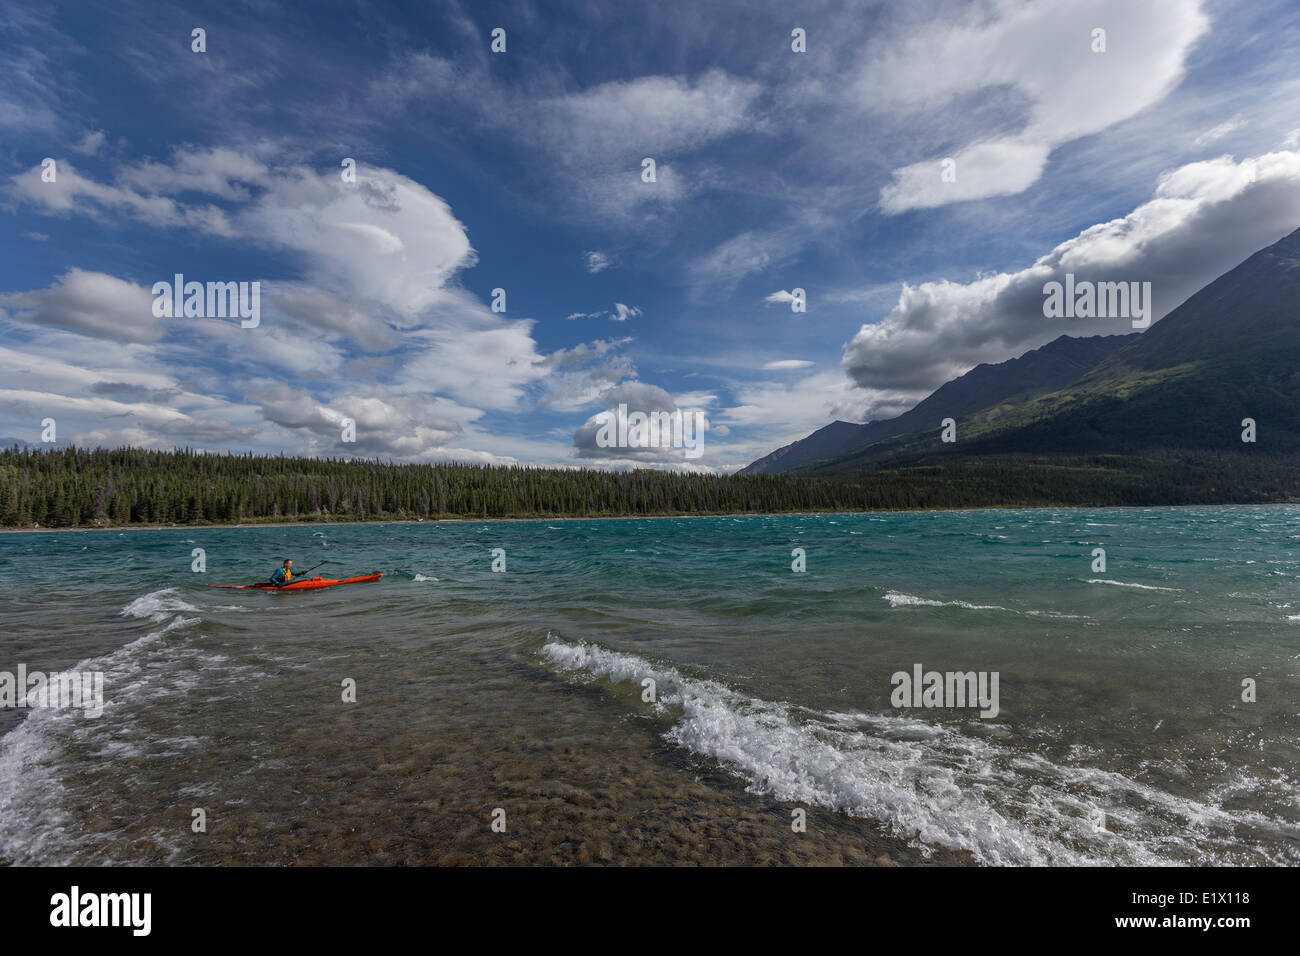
{"x": 1051, "y": 367}
{"x": 830, "y": 441}
{"x": 1230, "y": 352}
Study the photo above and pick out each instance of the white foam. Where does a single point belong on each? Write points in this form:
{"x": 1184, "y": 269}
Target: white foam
{"x": 39, "y": 759}
{"x": 927, "y": 783}
{"x": 157, "y": 605}
{"x": 911, "y": 600}
{"x": 1127, "y": 584}
{"x": 896, "y": 599}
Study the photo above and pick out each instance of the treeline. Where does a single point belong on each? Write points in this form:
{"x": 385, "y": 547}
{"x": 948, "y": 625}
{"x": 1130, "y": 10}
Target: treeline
{"x": 80, "y": 488}
{"x": 101, "y": 488}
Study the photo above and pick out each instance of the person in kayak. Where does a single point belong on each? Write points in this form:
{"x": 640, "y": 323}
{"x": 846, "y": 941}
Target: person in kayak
{"x": 283, "y": 574}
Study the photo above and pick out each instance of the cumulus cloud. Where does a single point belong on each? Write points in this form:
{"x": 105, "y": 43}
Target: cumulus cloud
{"x": 596, "y": 262}
{"x": 580, "y": 375}
{"x": 376, "y": 261}
{"x": 641, "y": 397}
{"x": 384, "y": 426}
{"x": 91, "y": 303}
{"x": 1205, "y": 218}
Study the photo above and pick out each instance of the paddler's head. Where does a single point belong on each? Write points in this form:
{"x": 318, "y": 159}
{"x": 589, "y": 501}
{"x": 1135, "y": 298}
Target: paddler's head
{"x": 288, "y": 563}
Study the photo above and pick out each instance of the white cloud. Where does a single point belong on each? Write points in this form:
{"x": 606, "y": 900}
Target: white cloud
{"x": 1040, "y": 58}
{"x": 52, "y": 403}
{"x": 701, "y": 399}
{"x": 1205, "y": 218}
{"x": 70, "y": 192}
{"x": 784, "y": 365}
{"x": 385, "y": 239}
{"x": 269, "y": 347}
{"x": 32, "y": 88}
{"x": 484, "y": 367}
{"x": 1220, "y": 131}
{"x": 642, "y": 397}
{"x": 594, "y": 139}
{"x": 647, "y": 116}
{"x": 91, "y": 143}
{"x": 620, "y": 313}
{"x": 376, "y": 260}
{"x": 777, "y": 413}
{"x": 982, "y": 171}
{"x": 744, "y": 254}
{"x": 580, "y": 375}
{"x": 221, "y": 172}
{"x": 91, "y": 303}
{"x": 395, "y": 426}
{"x": 309, "y": 308}
{"x": 597, "y": 262}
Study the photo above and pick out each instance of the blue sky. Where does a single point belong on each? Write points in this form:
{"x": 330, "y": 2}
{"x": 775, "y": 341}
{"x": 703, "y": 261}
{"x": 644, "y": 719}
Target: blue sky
{"x": 1168, "y": 158}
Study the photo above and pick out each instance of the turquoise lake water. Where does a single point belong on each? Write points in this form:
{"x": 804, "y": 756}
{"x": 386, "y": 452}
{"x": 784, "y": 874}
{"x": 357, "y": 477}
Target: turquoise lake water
{"x": 1121, "y": 733}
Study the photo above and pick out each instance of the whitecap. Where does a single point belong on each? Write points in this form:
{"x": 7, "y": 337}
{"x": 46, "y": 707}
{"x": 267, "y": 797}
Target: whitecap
{"x": 1128, "y": 584}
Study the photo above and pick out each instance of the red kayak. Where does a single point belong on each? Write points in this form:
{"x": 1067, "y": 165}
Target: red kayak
{"x": 315, "y": 584}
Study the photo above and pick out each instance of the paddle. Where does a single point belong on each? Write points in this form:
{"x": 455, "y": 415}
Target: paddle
{"x": 303, "y": 574}
{"x": 296, "y": 574}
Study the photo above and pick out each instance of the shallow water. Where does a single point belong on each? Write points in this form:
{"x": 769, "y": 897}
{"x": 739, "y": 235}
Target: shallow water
{"x": 1120, "y": 692}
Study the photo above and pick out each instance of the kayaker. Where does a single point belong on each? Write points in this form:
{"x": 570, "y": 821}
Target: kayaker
{"x": 284, "y": 574}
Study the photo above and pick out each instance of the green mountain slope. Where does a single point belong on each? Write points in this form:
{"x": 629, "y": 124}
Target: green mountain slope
{"x": 1050, "y": 367}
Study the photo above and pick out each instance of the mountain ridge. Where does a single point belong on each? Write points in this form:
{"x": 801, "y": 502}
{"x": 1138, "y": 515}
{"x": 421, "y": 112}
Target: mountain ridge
{"x": 1228, "y": 354}
{"x": 1063, "y": 360}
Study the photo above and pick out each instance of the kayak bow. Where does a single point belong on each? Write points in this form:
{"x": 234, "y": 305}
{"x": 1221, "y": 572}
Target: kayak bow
{"x": 315, "y": 584}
